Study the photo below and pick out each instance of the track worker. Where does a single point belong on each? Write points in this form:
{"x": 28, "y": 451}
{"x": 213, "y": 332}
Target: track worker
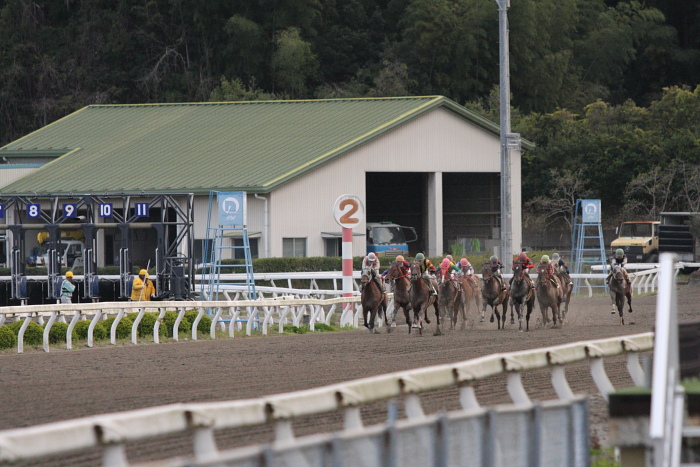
{"x": 142, "y": 288}
{"x": 67, "y": 288}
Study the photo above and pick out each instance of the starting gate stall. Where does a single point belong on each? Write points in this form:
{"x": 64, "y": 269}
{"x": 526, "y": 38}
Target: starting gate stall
{"x": 91, "y": 213}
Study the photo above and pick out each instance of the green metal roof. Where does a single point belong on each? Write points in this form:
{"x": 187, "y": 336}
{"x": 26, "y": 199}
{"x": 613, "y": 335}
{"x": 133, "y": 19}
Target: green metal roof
{"x": 197, "y": 147}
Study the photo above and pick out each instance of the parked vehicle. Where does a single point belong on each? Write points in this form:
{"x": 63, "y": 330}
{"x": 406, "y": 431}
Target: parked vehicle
{"x": 639, "y": 240}
{"x": 70, "y": 250}
{"x": 675, "y": 236}
{"x": 388, "y": 239}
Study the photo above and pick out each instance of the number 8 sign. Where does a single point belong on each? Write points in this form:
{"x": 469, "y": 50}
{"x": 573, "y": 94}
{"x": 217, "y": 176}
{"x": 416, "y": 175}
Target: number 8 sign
{"x": 348, "y": 211}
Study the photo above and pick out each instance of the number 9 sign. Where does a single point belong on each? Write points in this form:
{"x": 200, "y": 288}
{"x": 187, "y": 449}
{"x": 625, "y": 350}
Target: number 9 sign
{"x": 348, "y": 211}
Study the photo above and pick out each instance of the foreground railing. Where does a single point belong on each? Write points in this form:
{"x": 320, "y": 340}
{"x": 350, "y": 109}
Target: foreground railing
{"x": 112, "y": 431}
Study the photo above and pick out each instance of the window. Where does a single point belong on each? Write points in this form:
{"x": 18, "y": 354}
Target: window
{"x": 294, "y": 247}
{"x": 240, "y": 253}
{"x": 333, "y": 246}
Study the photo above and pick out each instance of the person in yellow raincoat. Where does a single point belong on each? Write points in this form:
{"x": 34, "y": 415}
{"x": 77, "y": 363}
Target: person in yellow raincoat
{"x": 142, "y": 288}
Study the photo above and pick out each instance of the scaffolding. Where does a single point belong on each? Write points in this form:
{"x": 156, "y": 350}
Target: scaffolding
{"x": 587, "y": 244}
{"x": 227, "y": 238}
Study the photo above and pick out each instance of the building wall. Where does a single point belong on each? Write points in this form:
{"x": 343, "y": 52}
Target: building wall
{"x": 10, "y": 174}
{"x": 438, "y": 141}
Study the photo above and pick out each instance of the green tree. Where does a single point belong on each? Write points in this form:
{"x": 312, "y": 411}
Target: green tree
{"x": 294, "y": 63}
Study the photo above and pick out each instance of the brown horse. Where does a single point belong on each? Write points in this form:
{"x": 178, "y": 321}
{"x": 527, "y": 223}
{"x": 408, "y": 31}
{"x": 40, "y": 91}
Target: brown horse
{"x": 491, "y": 294}
{"x": 471, "y": 290}
{"x": 373, "y": 301}
{"x": 521, "y": 293}
{"x": 451, "y": 298}
{"x": 402, "y": 300}
{"x": 421, "y": 300}
{"x": 548, "y": 295}
{"x": 565, "y": 280}
{"x": 619, "y": 289}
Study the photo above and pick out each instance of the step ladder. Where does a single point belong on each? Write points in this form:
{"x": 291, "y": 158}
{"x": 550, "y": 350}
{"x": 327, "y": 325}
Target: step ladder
{"x": 587, "y": 243}
{"x": 219, "y": 245}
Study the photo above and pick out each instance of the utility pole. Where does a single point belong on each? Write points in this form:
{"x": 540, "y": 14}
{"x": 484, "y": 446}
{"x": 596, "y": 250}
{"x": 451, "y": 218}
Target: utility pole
{"x": 509, "y": 141}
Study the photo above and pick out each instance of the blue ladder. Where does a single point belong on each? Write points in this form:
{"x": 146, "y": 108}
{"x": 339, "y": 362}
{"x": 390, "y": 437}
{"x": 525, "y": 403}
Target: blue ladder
{"x": 587, "y": 247}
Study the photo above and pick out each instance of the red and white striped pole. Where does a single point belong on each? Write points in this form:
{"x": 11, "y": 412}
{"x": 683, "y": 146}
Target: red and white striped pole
{"x": 347, "y": 264}
{"x": 348, "y": 211}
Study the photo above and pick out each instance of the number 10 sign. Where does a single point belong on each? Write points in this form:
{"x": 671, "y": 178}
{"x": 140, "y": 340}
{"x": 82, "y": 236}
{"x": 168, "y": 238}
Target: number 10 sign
{"x": 348, "y": 211}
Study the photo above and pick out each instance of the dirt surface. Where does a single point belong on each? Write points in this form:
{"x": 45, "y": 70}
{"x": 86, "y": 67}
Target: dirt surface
{"x": 40, "y": 387}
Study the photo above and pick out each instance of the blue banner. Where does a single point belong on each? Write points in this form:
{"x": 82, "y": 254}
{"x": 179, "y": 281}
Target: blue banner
{"x": 231, "y": 207}
{"x": 590, "y": 211}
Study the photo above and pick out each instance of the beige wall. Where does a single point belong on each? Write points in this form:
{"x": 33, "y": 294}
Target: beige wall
{"x": 438, "y": 141}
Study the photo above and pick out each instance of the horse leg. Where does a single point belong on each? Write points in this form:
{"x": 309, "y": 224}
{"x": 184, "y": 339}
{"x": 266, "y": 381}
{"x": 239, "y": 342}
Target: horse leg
{"x": 483, "y": 310}
{"x": 629, "y": 301}
{"x": 505, "y": 313}
{"x": 621, "y": 309}
{"x": 530, "y": 306}
{"x": 613, "y": 298}
{"x": 438, "y": 331}
{"x": 520, "y": 316}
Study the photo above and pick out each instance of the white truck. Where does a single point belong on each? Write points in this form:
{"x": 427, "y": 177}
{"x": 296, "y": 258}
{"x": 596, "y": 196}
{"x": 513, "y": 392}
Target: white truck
{"x": 70, "y": 251}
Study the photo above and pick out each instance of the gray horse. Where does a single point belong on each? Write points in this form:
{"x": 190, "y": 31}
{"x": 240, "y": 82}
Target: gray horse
{"x": 451, "y": 299}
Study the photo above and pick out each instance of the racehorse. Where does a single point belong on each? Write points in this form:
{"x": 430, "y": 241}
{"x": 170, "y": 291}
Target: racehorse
{"x": 471, "y": 291}
{"x": 373, "y": 301}
{"x": 619, "y": 289}
{"x": 491, "y": 294}
{"x": 421, "y": 300}
{"x": 565, "y": 280}
{"x": 401, "y": 297}
{"x": 548, "y": 295}
{"x": 521, "y": 293}
{"x": 451, "y": 298}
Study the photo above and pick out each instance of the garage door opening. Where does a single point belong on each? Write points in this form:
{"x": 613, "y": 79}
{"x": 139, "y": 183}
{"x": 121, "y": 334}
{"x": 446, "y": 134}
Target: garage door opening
{"x": 399, "y": 198}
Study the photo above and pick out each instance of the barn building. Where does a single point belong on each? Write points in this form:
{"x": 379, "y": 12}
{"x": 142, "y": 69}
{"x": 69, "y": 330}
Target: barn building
{"x": 424, "y": 162}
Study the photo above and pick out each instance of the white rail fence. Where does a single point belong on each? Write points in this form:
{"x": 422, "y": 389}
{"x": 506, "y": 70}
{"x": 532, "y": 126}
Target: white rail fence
{"x": 477, "y": 435}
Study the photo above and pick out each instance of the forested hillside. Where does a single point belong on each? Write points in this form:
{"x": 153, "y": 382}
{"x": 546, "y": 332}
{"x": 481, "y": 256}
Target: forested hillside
{"x": 606, "y": 62}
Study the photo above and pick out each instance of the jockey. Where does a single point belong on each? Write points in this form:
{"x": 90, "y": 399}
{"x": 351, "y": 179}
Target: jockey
{"x": 467, "y": 271}
{"x": 496, "y": 267}
{"x": 561, "y": 266}
{"x": 465, "y": 267}
{"x": 404, "y": 267}
{"x": 620, "y": 259}
{"x": 371, "y": 263}
{"x": 550, "y": 270}
{"x": 427, "y": 269}
{"x": 447, "y": 265}
{"x": 526, "y": 264}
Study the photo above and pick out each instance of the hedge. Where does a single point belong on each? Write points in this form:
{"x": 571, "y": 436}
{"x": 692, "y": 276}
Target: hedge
{"x": 204, "y": 325}
{"x": 123, "y": 328}
{"x": 81, "y": 330}
{"x": 145, "y": 328}
{"x": 33, "y": 335}
{"x": 169, "y": 321}
{"x": 8, "y": 339}
{"x": 58, "y": 332}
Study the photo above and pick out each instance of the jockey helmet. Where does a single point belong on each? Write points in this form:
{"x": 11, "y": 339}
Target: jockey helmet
{"x": 464, "y": 262}
{"x": 69, "y": 274}
{"x": 445, "y": 263}
{"x": 619, "y": 253}
{"x": 450, "y": 258}
{"x": 372, "y": 257}
{"x": 545, "y": 259}
{"x": 420, "y": 257}
{"x": 494, "y": 259}
{"x": 555, "y": 257}
{"x": 143, "y": 272}
{"x": 400, "y": 258}
{"x": 522, "y": 256}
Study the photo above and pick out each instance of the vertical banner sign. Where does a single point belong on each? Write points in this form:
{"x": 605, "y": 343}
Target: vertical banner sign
{"x": 348, "y": 212}
{"x": 590, "y": 211}
{"x": 232, "y": 207}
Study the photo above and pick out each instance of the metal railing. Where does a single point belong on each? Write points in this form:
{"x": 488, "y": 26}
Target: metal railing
{"x": 112, "y": 431}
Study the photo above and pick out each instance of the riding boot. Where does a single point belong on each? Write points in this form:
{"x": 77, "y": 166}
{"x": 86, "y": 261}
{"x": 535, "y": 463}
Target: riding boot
{"x": 503, "y": 284}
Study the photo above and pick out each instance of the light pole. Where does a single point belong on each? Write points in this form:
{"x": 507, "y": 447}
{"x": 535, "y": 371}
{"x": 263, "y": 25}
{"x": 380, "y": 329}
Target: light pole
{"x": 509, "y": 141}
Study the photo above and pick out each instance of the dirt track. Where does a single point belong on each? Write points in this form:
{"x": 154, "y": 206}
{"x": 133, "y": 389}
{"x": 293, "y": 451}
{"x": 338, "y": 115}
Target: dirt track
{"x": 40, "y": 387}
